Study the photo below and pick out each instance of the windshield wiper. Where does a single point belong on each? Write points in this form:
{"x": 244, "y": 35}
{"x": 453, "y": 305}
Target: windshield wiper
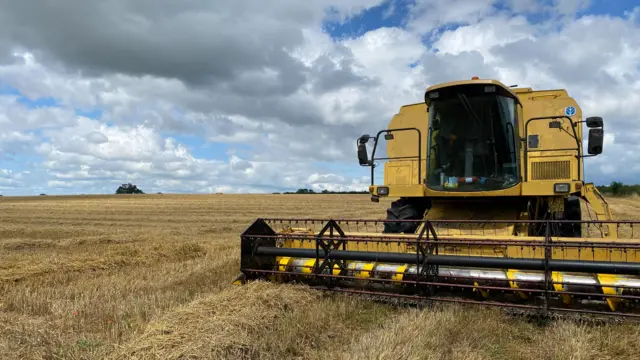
{"x": 467, "y": 105}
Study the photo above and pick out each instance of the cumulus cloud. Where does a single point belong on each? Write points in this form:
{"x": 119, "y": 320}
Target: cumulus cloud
{"x": 279, "y": 100}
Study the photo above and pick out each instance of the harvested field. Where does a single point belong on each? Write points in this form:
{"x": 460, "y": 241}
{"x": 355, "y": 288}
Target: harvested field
{"x": 148, "y": 277}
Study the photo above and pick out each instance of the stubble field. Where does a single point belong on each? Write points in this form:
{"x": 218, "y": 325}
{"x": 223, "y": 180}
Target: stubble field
{"x": 148, "y": 277}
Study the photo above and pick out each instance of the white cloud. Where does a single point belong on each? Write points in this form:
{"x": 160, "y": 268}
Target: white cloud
{"x": 485, "y": 36}
{"x": 333, "y": 182}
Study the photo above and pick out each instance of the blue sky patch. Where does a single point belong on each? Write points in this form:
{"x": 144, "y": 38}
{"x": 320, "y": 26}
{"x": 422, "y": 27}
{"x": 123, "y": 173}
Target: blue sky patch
{"x": 611, "y": 7}
{"x": 8, "y": 90}
{"x": 391, "y": 13}
{"x": 41, "y": 102}
{"x": 19, "y": 163}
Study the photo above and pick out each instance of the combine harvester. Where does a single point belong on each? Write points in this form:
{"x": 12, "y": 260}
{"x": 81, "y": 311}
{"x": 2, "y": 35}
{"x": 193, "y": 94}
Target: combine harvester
{"x": 489, "y": 181}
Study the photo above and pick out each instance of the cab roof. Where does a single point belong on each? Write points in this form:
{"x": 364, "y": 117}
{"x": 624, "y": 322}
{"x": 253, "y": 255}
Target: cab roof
{"x": 473, "y": 81}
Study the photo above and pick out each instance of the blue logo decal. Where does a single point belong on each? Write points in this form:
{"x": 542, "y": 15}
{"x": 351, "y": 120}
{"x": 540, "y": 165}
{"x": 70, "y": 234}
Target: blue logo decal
{"x": 569, "y": 111}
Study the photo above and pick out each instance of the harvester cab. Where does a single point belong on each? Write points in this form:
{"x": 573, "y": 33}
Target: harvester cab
{"x": 488, "y": 188}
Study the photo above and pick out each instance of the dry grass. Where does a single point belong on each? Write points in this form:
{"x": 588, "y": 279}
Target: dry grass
{"x": 454, "y": 332}
{"x": 149, "y": 276}
{"x": 260, "y": 320}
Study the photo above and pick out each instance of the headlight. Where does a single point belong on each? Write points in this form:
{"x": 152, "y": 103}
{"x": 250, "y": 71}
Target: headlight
{"x": 383, "y": 190}
{"x": 562, "y": 188}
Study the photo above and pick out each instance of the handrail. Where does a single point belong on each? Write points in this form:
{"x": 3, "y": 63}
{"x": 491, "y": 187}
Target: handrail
{"x": 526, "y": 142}
{"x": 389, "y": 131}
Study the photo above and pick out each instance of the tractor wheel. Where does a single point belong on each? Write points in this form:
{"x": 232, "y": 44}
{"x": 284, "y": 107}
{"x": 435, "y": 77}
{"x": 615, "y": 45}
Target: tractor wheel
{"x": 404, "y": 209}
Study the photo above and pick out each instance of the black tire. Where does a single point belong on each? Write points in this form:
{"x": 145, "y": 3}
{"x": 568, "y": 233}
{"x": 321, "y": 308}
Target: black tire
{"x": 404, "y": 209}
{"x": 572, "y": 211}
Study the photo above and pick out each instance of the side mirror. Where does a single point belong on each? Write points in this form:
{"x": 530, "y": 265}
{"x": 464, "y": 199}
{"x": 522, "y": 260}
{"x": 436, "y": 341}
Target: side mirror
{"x": 596, "y": 139}
{"x": 363, "y": 157}
{"x": 594, "y": 122}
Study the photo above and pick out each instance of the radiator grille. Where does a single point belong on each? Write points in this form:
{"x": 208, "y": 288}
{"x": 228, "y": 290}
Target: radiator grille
{"x": 551, "y": 170}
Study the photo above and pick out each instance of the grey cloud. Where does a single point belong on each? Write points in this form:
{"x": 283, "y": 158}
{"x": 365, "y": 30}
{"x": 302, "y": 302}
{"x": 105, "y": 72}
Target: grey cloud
{"x": 202, "y": 43}
{"x": 221, "y": 126}
{"x": 96, "y": 137}
{"x": 626, "y": 136}
{"x": 269, "y": 83}
{"x": 204, "y": 107}
{"x": 292, "y": 110}
{"x": 240, "y": 165}
{"x": 5, "y": 52}
{"x": 151, "y": 37}
{"x": 328, "y": 76}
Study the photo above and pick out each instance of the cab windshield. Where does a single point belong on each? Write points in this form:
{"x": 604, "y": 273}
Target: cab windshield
{"x": 472, "y": 143}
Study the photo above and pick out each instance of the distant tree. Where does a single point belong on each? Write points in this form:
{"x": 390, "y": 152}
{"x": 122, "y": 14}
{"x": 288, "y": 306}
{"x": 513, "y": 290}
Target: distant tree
{"x": 616, "y": 187}
{"x": 129, "y": 189}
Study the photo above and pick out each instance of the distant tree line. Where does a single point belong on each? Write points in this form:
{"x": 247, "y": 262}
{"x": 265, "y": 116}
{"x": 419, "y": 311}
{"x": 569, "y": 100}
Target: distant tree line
{"x": 311, "y": 191}
{"x": 617, "y": 188}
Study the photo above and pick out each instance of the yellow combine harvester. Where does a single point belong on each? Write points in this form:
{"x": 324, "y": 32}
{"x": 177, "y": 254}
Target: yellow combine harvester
{"x": 489, "y": 181}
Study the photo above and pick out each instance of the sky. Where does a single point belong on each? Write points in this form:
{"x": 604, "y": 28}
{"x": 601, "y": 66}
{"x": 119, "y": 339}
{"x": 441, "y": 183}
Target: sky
{"x": 206, "y": 96}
